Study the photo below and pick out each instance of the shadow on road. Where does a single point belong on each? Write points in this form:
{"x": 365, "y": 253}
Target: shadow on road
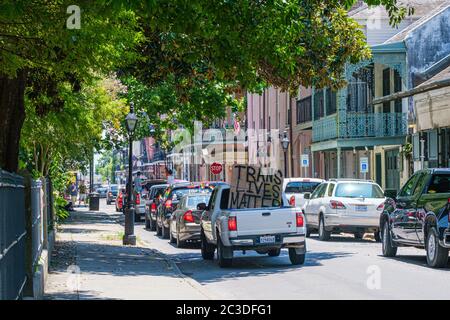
{"x": 418, "y": 260}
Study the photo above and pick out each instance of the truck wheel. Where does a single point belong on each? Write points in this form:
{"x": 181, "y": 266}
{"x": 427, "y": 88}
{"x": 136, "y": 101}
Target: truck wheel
{"x": 324, "y": 235}
{"x": 274, "y": 252}
{"x": 207, "y": 248}
{"x": 389, "y": 250}
{"x": 296, "y": 258}
{"x": 437, "y": 256}
{"x": 223, "y": 262}
{"x": 308, "y": 232}
{"x": 359, "y": 235}
{"x": 164, "y": 231}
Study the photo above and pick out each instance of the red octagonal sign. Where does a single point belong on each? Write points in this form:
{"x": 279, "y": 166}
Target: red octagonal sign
{"x": 216, "y": 168}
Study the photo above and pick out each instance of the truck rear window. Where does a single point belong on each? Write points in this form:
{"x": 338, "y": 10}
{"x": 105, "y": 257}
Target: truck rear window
{"x": 301, "y": 187}
{"x": 440, "y": 183}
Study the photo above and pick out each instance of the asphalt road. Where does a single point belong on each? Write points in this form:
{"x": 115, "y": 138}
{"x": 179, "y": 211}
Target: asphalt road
{"x": 342, "y": 268}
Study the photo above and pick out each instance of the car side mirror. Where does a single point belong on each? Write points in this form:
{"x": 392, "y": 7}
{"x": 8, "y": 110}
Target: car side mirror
{"x": 201, "y": 206}
{"x": 307, "y": 195}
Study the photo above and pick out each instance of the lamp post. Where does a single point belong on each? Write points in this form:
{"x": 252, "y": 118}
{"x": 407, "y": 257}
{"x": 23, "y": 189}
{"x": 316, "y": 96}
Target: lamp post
{"x": 129, "y": 238}
{"x": 285, "y": 144}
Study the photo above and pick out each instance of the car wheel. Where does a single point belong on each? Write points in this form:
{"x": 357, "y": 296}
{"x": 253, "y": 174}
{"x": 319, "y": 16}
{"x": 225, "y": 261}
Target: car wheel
{"x": 359, "y": 235}
{"x": 164, "y": 231}
{"x": 389, "y": 250}
{"x": 147, "y": 223}
{"x": 180, "y": 243}
{"x": 158, "y": 228}
{"x": 206, "y": 248}
{"x": 324, "y": 235}
{"x": 437, "y": 256}
{"x": 274, "y": 252}
{"x": 296, "y": 258}
{"x": 377, "y": 236}
{"x": 171, "y": 238}
{"x": 223, "y": 261}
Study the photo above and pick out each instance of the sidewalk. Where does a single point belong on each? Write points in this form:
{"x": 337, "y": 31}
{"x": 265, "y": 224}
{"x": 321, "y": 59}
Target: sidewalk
{"x": 90, "y": 262}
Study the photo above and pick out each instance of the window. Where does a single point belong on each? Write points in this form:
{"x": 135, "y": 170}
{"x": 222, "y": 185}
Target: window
{"x": 440, "y": 183}
{"x": 408, "y": 189}
{"x": 358, "y": 190}
{"x": 301, "y": 187}
{"x": 397, "y": 88}
{"x": 192, "y": 202}
{"x": 304, "y": 110}
{"x": 318, "y": 104}
{"x": 212, "y": 200}
{"x": 331, "y": 189}
{"x": 386, "y": 89}
{"x": 225, "y": 199}
{"x": 322, "y": 191}
{"x": 331, "y": 101}
{"x": 318, "y": 190}
{"x": 420, "y": 183}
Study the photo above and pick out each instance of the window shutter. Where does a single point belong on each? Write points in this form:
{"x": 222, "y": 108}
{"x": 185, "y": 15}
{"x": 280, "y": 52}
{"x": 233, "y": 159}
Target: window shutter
{"x": 432, "y": 145}
{"x": 416, "y": 146}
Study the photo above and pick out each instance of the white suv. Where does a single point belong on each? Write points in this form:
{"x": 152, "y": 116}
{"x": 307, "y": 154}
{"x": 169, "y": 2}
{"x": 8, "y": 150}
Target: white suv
{"x": 352, "y": 206}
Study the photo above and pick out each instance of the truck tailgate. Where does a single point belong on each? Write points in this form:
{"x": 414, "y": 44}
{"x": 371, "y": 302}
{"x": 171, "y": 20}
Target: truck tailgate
{"x": 265, "y": 221}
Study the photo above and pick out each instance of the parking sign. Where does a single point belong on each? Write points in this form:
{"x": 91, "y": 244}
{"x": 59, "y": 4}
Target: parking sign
{"x": 364, "y": 164}
{"x": 304, "y": 160}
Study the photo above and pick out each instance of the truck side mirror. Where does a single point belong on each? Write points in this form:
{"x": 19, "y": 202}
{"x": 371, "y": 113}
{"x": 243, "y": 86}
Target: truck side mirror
{"x": 201, "y": 206}
{"x": 307, "y": 195}
{"x": 390, "y": 193}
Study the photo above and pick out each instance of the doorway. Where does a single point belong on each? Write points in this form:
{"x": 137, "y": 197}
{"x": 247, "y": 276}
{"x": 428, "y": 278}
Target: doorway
{"x": 392, "y": 170}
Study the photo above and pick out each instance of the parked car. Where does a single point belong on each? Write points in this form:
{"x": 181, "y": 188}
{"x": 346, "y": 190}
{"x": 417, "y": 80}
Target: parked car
{"x": 154, "y": 197}
{"x": 265, "y": 230}
{"x": 419, "y": 217}
{"x": 120, "y": 199}
{"x": 185, "y": 220}
{"x": 102, "y": 191}
{"x": 113, "y": 191}
{"x": 351, "y": 206}
{"x": 172, "y": 197}
{"x": 294, "y": 190}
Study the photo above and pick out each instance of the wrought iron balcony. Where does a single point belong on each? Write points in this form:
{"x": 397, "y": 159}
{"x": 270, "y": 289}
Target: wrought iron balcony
{"x": 360, "y": 125}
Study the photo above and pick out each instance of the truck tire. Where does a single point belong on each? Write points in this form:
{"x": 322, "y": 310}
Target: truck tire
{"x": 274, "y": 252}
{"x": 437, "y": 256}
{"x": 308, "y": 232}
{"x": 359, "y": 235}
{"x": 223, "y": 262}
{"x": 377, "y": 236}
{"x": 389, "y": 250}
{"x": 206, "y": 248}
{"x": 296, "y": 258}
{"x": 324, "y": 235}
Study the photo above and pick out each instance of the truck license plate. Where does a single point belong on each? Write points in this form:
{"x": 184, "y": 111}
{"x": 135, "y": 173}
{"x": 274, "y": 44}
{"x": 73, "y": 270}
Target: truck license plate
{"x": 267, "y": 239}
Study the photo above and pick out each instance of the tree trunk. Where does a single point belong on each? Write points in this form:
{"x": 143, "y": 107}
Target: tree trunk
{"x": 12, "y": 116}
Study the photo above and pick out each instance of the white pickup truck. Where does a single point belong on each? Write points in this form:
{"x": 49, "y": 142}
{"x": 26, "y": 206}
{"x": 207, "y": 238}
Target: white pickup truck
{"x": 265, "y": 230}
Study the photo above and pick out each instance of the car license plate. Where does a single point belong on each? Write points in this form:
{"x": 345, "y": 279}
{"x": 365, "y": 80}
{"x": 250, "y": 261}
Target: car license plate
{"x": 361, "y": 208}
{"x": 267, "y": 239}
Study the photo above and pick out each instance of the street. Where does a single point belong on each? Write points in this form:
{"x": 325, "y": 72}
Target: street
{"x": 343, "y": 268}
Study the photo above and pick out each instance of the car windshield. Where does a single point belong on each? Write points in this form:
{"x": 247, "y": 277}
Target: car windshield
{"x": 358, "y": 190}
{"x": 440, "y": 184}
{"x": 301, "y": 187}
{"x": 192, "y": 202}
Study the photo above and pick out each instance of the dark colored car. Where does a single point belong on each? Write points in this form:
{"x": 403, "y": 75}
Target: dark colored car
{"x": 155, "y": 194}
{"x": 172, "y": 197}
{"x": 419, "y": 217}
{"x": 113, "y": 191}
{"x": 185, "y": 220}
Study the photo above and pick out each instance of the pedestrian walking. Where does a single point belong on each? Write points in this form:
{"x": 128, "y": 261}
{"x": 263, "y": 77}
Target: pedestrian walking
{"x": 83, "y": 191}
{"x": 73, "y": 192}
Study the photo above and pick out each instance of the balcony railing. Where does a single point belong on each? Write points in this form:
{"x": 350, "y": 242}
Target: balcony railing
{"x": 360, "y": 125}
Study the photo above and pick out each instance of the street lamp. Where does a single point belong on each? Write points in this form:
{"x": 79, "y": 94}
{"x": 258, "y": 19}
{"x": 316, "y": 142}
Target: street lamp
{"x": 285, "y": 144}
{"x": 129, "y": 238}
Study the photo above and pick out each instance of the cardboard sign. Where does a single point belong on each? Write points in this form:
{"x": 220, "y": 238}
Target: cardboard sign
{"x": 251, "y": 188}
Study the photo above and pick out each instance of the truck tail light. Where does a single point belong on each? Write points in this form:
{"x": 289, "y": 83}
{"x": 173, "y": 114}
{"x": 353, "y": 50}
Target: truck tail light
{"x": 232, "y": 224}
{"x": 168, "y": 204}
{"x": 336, "y": 204}
{"x": 380, "y": 207}
{"x": 153, "y": 207}
{"x": 292, "y": 201}
{"x": 188, "y": 217}
{"x": 300, "y": 220}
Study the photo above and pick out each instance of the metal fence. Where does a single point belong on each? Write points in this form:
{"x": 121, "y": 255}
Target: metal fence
{"x": 12, "y": 236}
{"x": 37, "y": 230}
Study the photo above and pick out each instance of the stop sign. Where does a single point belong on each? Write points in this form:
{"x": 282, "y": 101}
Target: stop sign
{"x": 216, "y": 168}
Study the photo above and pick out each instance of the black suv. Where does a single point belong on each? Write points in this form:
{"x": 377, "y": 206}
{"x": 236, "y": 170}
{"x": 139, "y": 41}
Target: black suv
{"x": 419, "y": 216}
